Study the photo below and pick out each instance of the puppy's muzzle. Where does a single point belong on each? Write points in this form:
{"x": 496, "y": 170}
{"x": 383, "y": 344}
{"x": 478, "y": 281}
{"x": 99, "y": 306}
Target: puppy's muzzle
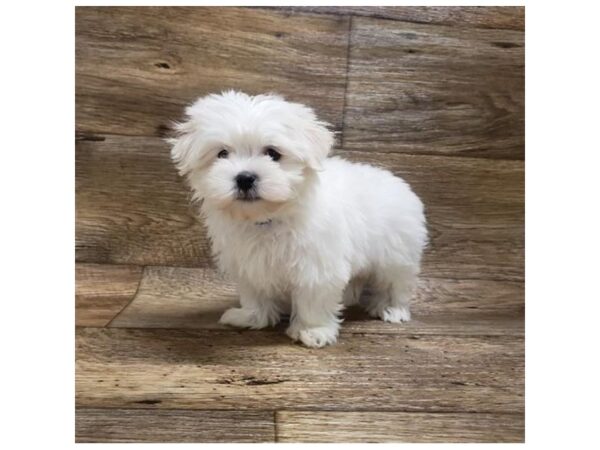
{"x": 246, "y": 184}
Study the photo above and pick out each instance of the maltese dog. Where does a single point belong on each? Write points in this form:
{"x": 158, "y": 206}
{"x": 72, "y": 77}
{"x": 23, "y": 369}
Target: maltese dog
{"x": 300, "y": 233}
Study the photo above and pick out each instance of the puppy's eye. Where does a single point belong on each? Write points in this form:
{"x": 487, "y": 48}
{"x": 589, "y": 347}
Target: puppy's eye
{"x": 223, "y": 154}
{"x": 273, "y": 154}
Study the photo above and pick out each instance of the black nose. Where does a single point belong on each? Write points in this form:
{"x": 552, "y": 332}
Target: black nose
{"x": 245, "y": 180}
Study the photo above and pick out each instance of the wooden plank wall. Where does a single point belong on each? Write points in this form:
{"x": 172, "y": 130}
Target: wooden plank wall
{"x": 434, "y": 94}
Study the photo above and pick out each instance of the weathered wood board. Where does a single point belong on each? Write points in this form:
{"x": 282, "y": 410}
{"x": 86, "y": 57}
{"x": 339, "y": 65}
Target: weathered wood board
{"x": 102, "y": 291}
{"x": 239, "y": 370}
{"x": 419, "y": 88}
{"x": 335, "y": 426}
{"x": 500, "y": 17}
{"x": 138, "y": 67}
{"x": 132, "y": 207}
{"x": 144, "y": 425}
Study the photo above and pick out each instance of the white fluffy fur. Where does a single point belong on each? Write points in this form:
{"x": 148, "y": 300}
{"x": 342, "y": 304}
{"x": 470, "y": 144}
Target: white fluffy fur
{"x": 322, "y": 229}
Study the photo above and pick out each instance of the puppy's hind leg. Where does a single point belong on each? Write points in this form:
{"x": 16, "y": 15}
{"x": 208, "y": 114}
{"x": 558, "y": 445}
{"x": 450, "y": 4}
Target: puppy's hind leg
{"x": 257, "y": 310}
{"x": 353, "y": 291}
{"x": 392, "y": 293}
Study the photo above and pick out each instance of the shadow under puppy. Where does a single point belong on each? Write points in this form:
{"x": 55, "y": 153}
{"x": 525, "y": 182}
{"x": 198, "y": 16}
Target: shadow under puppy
{"x": 300, "y": 233}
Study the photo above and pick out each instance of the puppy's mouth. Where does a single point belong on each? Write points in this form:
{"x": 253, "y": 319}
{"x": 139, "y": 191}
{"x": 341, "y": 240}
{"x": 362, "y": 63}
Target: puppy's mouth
{"x": 248, "y": 196}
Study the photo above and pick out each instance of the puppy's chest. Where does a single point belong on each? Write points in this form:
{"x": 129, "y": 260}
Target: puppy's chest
{"x": 265, "y": 253}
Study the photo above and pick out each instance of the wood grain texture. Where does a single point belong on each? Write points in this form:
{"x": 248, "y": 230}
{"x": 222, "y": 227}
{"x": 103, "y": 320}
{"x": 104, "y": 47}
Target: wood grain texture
{"x": 239, "y": 370}
{"x": 102, "y": 291}
{"x": 139, "y": 425}
{"x": 137, "y": 68}
{"x": 435, "y": 90}
{"x": 174, "y": 297}
{"x": 132, "y": 208}
{"x": 501, "y": 17}
{"x": 190, "y": 298}
{"x": 335, "y": 426}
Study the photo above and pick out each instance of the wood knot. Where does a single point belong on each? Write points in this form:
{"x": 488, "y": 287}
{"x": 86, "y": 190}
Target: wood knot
{"x": 505, "y": 44}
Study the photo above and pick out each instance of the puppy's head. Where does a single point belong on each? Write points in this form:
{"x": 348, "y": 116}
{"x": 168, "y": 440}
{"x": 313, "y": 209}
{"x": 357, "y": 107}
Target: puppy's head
{"x": 249, "y": 156}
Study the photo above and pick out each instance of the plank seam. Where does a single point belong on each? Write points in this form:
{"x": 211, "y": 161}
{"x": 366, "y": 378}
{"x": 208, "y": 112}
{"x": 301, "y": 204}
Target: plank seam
{"x": 378, "y": 16}
{"x": 508, "y": 333}
{"x": 304, "y": 410}
{"x": 348, "y": 54}
{"x": 448, "y": 155}
{"x": 404, "y": 411}
{"x": 137, "y": 289}
{"x": 465, "y": 26}
{"x": 100, "y": 136}
{"x": 443, "y": 156}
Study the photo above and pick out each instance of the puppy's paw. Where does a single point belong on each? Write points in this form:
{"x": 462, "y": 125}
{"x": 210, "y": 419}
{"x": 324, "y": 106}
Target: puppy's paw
{"x": 243, "y": 318}
{"x": 315, "y": 337}
{"x": 394, "y": 314}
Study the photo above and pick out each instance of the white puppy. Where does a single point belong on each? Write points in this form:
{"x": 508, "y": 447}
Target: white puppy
{"x": 299, "y": 232}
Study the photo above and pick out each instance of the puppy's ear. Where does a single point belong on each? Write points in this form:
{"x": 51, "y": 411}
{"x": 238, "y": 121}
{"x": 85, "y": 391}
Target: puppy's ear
{"x": 197, "y": 137}
{"x": 191, "y": 146}
{"x": 318, "y": 138}
{"x": 321, "y": 141}
{"x": 182, "y": 146}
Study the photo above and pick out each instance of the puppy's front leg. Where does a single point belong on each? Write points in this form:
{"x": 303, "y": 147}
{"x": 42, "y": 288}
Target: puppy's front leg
{"x": 257, "y": 310}
{"x": 314, "y": 319}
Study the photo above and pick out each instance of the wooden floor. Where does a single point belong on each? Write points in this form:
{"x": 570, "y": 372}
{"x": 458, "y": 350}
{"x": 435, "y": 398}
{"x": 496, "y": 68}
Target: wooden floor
{"x": 434, "y": 94}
